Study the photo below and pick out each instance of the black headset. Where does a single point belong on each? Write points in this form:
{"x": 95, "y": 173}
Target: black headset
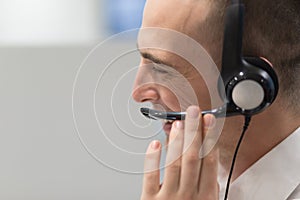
{"x": 251, "y": 84}
{"x": 247, "y": 85}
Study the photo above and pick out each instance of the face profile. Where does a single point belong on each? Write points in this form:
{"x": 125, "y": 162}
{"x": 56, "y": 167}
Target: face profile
{"x": 252, "y": 92}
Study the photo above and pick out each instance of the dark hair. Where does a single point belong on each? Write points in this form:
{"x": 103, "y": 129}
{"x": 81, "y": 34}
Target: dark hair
{"x": 272, "y": 30}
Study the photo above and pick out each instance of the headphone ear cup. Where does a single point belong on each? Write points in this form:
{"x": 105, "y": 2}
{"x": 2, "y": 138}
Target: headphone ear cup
{"x": 262, "y": 64}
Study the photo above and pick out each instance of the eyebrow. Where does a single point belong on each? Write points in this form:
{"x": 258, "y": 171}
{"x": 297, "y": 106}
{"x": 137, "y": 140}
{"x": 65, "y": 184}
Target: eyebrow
{"x": 153, "y": 58}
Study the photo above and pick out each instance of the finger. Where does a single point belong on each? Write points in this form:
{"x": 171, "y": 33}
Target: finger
{"x": 151, "y": 168}
{"x": 173, "y": 159}
{"x": 208, "y": 183}
{"x": 209, "y": 134}
{"x": 190, "y": 159}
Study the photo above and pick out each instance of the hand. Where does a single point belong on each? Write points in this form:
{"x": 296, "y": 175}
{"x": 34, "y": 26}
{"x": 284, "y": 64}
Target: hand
{"x": 187, "y": 175}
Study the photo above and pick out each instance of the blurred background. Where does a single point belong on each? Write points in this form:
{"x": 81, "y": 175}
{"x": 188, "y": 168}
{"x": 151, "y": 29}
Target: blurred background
{"x": 42, "y": 46}
{"x": 65, "y": 22}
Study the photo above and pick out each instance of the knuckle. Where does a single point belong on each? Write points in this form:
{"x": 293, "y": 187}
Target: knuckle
{"x": 174, "y": 167}
{"x": 210, "y": 159}
{"x": 192, "y": 129}
{"x": 151, "y": 177}
{"x": 192, "y": 157}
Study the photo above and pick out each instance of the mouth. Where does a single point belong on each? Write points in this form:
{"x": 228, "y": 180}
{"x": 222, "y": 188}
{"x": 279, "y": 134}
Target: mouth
{"x": 167, "y": 117}
{"x": 168, "y": 121}
{"x": 167, "y": 126}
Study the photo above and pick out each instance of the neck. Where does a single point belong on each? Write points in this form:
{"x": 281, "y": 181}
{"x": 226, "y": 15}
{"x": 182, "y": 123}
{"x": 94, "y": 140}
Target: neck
{"x": 265, "y": 131}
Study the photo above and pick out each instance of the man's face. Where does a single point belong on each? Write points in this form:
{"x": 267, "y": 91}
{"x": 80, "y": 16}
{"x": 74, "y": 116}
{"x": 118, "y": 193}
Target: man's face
{"x": 167, "y": 76}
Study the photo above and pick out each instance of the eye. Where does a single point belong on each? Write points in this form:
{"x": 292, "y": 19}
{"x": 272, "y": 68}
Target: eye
{"x": 159, "y": 69}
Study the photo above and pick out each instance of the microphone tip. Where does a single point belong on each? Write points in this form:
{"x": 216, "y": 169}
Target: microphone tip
{"x": 145, "y": 110}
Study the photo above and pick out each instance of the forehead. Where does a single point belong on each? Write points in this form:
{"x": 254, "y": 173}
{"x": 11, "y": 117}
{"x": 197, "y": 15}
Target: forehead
{"x": 178, "y": 24}
{"x": 180, "y": 15}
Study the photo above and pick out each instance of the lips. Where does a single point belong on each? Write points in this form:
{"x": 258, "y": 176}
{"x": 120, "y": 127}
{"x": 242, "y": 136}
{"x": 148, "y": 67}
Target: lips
{"x": 167, "y": 125}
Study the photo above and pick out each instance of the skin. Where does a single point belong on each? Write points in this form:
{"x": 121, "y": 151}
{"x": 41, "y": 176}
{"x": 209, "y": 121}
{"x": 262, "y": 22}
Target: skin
{"x": 188, "y": 176}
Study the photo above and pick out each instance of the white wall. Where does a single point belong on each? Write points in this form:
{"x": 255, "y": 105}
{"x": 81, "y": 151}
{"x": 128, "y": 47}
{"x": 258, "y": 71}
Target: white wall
{"x": 42, "y": 44}
{"x": 41, "y": 156}
{"x": 44, "y": 22}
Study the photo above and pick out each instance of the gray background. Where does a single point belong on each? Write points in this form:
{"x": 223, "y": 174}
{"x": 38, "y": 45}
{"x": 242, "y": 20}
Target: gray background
{"x": 41, "y": 154}
{"x": 42, "y": 46}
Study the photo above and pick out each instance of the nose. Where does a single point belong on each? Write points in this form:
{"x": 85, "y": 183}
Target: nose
{"x": 144, "y": 93}
{"x": 144, "y": 88}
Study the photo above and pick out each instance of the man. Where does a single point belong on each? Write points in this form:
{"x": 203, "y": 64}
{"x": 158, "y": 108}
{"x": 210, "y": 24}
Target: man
{"x": 268, "y": 163}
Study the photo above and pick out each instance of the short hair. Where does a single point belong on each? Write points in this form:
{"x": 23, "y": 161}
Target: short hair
{"x": 272, "y": 30}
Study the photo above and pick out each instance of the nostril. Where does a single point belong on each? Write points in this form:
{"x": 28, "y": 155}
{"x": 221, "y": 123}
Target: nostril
{"x": 143, "y": 94}
{"x": 145, "y": 100}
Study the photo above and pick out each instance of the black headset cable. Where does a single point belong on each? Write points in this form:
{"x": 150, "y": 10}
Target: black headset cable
{"x": 246, "y": 124}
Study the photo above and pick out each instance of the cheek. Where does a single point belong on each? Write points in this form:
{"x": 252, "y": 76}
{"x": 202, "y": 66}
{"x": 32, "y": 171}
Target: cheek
{"x": 179, "y": 93}
{"x": 202, "y": 93}
{"x": 180, "y": 96}
{"x": 170, "y": 99}
{"x": 207, "y": 92}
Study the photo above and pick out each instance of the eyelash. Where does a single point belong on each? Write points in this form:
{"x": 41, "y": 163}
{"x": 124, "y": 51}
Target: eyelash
{"x": 159, "y": 70}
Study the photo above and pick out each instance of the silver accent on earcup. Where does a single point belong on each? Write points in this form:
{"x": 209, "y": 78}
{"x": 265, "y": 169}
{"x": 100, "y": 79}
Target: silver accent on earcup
{"x": 248, "y": 94}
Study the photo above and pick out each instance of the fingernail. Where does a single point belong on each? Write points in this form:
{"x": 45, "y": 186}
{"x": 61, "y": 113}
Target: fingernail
{"x": 193, "y": 112}
{"x": 178, "y": 124}
{"x": 209, "y": 121}
{"x": 155, "y": 144}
